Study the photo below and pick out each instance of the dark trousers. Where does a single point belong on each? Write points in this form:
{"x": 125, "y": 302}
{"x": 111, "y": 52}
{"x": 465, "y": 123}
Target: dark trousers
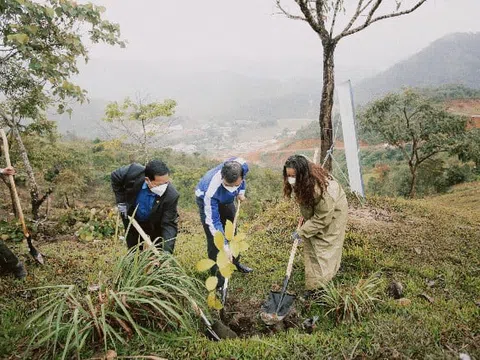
{"x": 8, "y": 260}
{"x": 133, "y": 238}
{"x": 227, "y": 212}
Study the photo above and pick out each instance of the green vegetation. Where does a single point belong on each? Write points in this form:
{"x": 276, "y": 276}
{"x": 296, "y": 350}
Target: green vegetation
{"x": 432, "y": 251}
{"x": 91, "y": 296}
{"x": 141, "y": 121}
{"x": 41, "y": 45}
{"x": 148, "y": 295}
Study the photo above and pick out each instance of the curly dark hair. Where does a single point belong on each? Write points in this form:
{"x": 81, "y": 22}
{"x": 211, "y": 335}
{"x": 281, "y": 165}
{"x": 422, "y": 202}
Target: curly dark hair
{"x": 307, "y": 174}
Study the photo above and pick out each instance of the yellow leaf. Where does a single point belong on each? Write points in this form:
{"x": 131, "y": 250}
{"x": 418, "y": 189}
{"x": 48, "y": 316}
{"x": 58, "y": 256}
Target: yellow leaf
{"x": 211, "y": 283}
{"x": 239, "y": 237}
{"x": 222, "y": 259}
{"x": 227, "y": 270}
{"x": 243, "y": 246}
{"x": 218, "y": 304}
{"x": 229, "y": 230}
{"x": 218, "y": 240}
{"x": 213, "y": 301}
{"x": 205, "y": 264}
{"x": 235, "y": 248}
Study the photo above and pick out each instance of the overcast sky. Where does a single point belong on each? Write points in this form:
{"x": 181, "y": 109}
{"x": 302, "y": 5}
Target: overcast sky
{"x": 246, "y": 35}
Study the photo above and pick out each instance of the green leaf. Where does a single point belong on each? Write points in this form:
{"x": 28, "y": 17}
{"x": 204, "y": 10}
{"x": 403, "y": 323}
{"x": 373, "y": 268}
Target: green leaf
{"x": 211, "y": 283}
{"x": 34, "y": 65}
{"x": 218, "y": 240}
{"x": 18, "y": 38}
{"x": 50, "y": 12}
{"x": 205, "y": 264}
{"x": 229, "y": 230}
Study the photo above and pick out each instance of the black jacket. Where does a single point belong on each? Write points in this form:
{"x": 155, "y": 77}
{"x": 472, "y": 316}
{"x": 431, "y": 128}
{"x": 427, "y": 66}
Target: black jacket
{"x": 128, "y": 180}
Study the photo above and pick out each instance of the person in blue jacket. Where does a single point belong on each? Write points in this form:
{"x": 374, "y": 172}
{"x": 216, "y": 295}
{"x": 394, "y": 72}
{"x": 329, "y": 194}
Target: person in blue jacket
{"x": 215, "y": 195}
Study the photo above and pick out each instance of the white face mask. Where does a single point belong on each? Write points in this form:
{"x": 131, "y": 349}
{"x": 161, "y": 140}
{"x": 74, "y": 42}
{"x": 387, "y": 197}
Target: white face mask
{"x": 160, "y": 189}
{"x": 231, "y": 189}
{"x": 291, "y": 180}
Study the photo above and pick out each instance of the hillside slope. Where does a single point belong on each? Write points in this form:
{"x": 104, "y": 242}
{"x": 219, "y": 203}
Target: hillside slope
{"x": 434, "y": 251}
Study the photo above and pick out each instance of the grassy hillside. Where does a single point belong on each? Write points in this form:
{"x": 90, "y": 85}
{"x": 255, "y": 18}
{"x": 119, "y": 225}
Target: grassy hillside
{"x": 431, "y": 246}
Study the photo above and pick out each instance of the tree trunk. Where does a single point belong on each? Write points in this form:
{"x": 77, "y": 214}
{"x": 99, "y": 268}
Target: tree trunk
{"x": 326, "y": 104}
{"x": 35, "y": 200}
{"x": 413, "y": 182}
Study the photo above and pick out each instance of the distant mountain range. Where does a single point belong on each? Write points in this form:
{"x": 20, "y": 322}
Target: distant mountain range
{"x": 223, "y": 97}
{"x": 453, "y": 59}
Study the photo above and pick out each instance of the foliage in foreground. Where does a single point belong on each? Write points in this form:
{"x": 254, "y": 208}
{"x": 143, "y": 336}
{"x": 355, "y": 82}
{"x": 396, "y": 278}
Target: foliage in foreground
{"x": 228, "y": 243}
{"x": 351, "y": 303}
{"x": 150, "y": 294}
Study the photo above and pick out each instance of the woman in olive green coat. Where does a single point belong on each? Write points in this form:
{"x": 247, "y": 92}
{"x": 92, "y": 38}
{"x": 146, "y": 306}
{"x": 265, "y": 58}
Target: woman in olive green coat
{"x": 324, "y": 207}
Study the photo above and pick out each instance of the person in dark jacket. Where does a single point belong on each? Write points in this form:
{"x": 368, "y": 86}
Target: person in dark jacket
{"x": 9, "y": 263}
{"x": 148, "y": 191}
{"x": 215, "y": 195}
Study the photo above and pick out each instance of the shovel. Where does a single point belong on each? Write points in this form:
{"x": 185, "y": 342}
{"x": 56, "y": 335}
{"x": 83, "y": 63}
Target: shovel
{"x": 225, "y": 284}
{"x": 279, "y": 304}
{"x": 33, "y": 251}
{"x": 216, "y": 331}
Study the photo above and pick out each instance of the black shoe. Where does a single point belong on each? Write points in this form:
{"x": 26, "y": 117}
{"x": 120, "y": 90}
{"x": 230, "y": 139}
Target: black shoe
{"x": 19, "y": 271}
{"x": 243, "y": 268}
{"x": 312, "y": 294}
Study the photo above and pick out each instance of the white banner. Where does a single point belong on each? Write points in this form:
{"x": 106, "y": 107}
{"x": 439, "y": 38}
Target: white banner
{"x": 347, "y": 114}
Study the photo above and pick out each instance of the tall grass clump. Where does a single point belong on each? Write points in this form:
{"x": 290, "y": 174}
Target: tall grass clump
{"x": 349, "y": 303}
{"x": 150, "y": 294}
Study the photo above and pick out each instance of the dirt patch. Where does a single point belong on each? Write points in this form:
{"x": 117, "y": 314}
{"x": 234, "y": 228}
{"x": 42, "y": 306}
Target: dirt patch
{"x": 243, "y": 317}
{"x": 370, "y": 214}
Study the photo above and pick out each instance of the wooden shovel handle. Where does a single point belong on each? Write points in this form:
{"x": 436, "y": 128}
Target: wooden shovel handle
{"x": 294, "y": 250}
{"x": 236, "y": 216}
{"x": 12, "y": 184}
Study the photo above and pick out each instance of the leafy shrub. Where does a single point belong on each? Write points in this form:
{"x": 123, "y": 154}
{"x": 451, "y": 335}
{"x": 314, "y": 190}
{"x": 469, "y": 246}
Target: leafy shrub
{"x": 11, "y": 231}
{"x": 150, "y": 294}
{"x": 457, "y": 174}
{"x": 90, "y": 224}
{"x": 351, "y": 303}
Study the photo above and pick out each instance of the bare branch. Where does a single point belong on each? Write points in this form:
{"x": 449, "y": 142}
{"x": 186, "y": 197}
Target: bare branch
{"x": 366, "y": 6}
{"x": 287, "y": 14}
{"x": 316, "y": 24}
{"x": 357, "y": 13}
{"x": 370, "y": 20}
{"x": 335, "y": 13}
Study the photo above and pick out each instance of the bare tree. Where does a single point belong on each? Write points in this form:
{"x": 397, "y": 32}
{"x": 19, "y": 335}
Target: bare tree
{"x": 323, "y": 16}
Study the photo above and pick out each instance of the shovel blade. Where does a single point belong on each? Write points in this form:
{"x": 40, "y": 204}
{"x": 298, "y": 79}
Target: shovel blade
{"x": 272, "y": 304}
{"x": 37, "y": 255}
